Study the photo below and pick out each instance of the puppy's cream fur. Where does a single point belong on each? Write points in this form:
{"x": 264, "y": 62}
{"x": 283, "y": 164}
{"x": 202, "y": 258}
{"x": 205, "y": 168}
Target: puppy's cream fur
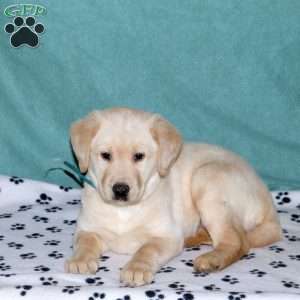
{"x": 179, "y": 194}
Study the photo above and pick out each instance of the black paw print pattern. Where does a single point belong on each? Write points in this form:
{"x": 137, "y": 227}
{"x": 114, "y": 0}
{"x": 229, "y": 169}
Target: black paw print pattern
{"x": 35, "y": 235}
{"x": 65, "y": 188}
{"x": 283, "y": 198}
{"x": 41, "y": 268}
{"x": 188, "y": 262}
{"x": 278, "y": 264}
{"x": 40, "y": 219}
{"x": 295, "y": 218}
{"x": 24, "y": 289}
{"x": 71, "y": 289}
{"x": 236, "y": 296}
{"x": 96, "y": 296}
{"x": 295, "y": 257}
{"x": 17, "y": 226}
{"x": 276, "y": 249}
{"x": 154, "y": 294}
{"x": 48, "y": 281}
{"x": 94, "y": 281}
{"x": 29, "y": 255}
{"x": 56, "y": 255}
{"x": 248, "y": 256}
{"x": 258, "y": 273}
{"x": 15, "y": 245}
{"x": 44, "y": 199}
{"x": 16, "y": 180}
{"x": 25, "y": 207}
{"x": 5, "y": 216}
{"x": 230, "y": 279}
{"x": 211, "y": 287}
{"x": 166, "y": 269}
{"x": 290, "y": 284}
{"x": 52, "y": 243}
{"x": 24, "y": 32}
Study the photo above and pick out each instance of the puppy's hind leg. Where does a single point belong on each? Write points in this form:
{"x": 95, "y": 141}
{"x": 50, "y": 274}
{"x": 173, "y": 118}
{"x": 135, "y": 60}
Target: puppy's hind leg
{"x": 211, "y": 187}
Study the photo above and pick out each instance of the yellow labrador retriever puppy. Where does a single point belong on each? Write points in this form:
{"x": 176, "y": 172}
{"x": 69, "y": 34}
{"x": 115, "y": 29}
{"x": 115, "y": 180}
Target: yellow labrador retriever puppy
{"x": 155, "y": 194}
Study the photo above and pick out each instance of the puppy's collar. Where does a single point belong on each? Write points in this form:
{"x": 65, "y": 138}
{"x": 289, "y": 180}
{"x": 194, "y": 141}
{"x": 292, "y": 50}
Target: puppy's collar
{"x": 73, "y": 172}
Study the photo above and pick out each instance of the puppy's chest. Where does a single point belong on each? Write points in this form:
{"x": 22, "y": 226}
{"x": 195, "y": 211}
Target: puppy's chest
{"x": 122, "y": 231}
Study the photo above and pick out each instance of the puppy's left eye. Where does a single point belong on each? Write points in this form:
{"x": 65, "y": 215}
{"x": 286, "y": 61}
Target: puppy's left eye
{"x": 138, "y": 156}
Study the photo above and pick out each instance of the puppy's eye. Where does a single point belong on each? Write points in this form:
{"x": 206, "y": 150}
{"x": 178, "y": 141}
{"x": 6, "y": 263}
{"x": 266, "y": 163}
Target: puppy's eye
{"x": 138, "y": 156}
{"x": 106, "y": 156}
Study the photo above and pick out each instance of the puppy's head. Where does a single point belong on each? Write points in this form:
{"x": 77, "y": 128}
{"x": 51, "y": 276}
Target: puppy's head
{"x": 124, "y": 150}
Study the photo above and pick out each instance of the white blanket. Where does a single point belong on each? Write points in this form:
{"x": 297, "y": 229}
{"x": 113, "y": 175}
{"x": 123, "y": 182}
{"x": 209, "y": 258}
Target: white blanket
{"x": 37, "y": 221}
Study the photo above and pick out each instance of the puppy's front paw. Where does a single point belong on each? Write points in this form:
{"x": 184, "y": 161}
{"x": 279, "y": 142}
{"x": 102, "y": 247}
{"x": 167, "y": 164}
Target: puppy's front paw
{"x": 136, "y": 274}
{"x": 81, "y": 266}
{"x": 208, "y": 262}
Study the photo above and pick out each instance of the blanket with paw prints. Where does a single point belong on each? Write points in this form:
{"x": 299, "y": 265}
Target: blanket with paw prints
{"x": 37, "y": 221}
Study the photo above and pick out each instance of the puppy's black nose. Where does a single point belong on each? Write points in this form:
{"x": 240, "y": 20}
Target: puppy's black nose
{"x": 121, "y": 191}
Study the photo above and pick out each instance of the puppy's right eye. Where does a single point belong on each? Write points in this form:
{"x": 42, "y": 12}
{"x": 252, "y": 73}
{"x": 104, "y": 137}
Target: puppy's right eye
{"x": 106, "y": 156}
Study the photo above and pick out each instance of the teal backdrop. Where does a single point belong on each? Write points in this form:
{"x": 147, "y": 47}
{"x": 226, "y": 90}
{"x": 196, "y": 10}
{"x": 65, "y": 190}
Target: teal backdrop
{"x": 224, "y": 72}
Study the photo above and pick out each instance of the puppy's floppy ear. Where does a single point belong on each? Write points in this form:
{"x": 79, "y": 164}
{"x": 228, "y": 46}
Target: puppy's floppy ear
{"x": 82, "y": 132}
{"x": 169, "y": 143}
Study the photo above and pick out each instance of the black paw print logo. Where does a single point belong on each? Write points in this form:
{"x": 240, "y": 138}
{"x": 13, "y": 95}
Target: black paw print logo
{"x": 97, "y": 296}
{"x": 188, "y": 262}
{"x": 17, "y": 226}
{"x": 258, "y": 273}
{"x": 29, "y": 255}
{"x": 24, "y": 32}
{"x": 276, "y": 249}
{"x": 248, "y": 256}
{"x": 295, "y": 218}
{"x": 69, "y": 222}
{"x": 53, "y": 209}
{"x": 4, "y": 267}
{"x": 56, "y": 255}
{"x": 44, "y": 199}
{"x": 211, "y": 287}
{"x": 23, "y": 289}
{"x": 51, "y": 243}
{"x": 94, "y": 281}
{"x": 15, "y": 179}
{"x": 295, "y": 257}
{"x": 53, "y": 229}
{"x": 283, "y": 198}
{"x": 65, "y": 188}
{"x": 41, "y": 268}
{"x": 154, "y": 294}
{"x": 290, "y": 284}
{"x": 15, "y": 245}
{"x": 48, "y": 281}
{"x": 74, "y": 202}
{"x": 236, "y": 296}
{"x": 104, "y": 258}
{"x": 102, "y": 268}
{"x": 40, "y": 219}
{"x": 5, "y": 216}
{"x": 192, "y": 249}
{"x": 25, "y": 207}
{"x": 34, "y": 235}
{"x": 71, "y": 289}
{"x": 200, "y": 274}
{"x": 229, "y": 279}
{"x": 278, "y": 264}
{"x": 166, "y": 269}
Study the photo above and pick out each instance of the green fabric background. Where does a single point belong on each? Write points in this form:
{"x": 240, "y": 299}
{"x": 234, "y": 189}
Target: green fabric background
{"x": 224, "y": 72}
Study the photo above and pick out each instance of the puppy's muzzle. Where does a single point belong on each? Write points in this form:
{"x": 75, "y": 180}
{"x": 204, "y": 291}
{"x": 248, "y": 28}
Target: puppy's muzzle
{"x": 121, "y": 191}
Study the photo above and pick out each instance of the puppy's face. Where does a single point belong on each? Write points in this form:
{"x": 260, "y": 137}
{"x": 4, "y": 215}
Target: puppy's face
{"x": 124, "y": 150}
